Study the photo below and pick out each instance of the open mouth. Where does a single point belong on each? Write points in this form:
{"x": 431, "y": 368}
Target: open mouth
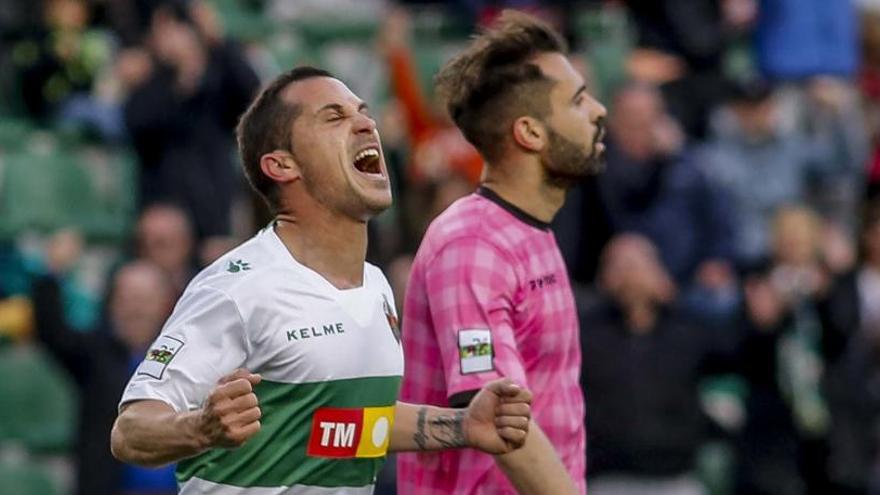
{"x": 367, "y": 162}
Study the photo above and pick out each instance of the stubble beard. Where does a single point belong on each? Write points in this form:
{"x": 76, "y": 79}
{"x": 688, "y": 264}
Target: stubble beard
{"x": 566, "y": 164}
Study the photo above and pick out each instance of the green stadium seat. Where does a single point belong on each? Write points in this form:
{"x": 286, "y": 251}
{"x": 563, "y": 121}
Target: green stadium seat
{"x": 607, "y": 38}
{"x": 39, "y": 403}
{"x": 26, "y": 480}
{"x": 243, "y": 20}
{"x": 46, "y": 185}
{"x": 14, "y": 131}
{"x": 288, "y": 49}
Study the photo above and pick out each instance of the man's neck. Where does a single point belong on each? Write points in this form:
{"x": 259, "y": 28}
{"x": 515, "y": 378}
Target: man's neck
{"x": 334, "y": 248}
{"x": 525, "y": 187}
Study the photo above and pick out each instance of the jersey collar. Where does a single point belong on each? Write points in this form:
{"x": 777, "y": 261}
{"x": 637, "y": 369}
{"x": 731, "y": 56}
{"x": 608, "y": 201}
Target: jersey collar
{"x": 512, "y": 209}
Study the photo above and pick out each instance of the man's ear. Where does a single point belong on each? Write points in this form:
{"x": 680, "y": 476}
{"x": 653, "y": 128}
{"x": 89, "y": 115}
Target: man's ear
{"x": 530, "y": 134}
{"x": 280, "y": 166}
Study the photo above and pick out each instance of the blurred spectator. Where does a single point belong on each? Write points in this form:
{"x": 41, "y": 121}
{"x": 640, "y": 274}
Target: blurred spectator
{"x": 438, "y": 149}
{"x": 14, "y": 276}
{"x": 165, "y": 237}
{"x": 213, "y": 248}
{"x": 853, "y": 313}
{"x": 582, "y": 228}
{"x": 796, "y": 39}
{"x": 185, "y": 102}
{"x": 129, "y": 19}
{"x": 100, "y": 363}
{"x": 828, "y": 111}
{"x": 869, "y": 82}
{"x": 16, "y": 318}
{"x": 761, "y": 163}
{"x": 783, "y": 445}
{"x": 80, "y": 306}
{"x": 61, "y": 63}
{"x": 642, "y": 365}
{"x": 652, "y": 186}
{"x": 680, "y": 45}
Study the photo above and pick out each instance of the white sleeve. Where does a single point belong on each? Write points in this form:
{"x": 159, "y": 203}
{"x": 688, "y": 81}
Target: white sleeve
{"x": 203, "y": 340}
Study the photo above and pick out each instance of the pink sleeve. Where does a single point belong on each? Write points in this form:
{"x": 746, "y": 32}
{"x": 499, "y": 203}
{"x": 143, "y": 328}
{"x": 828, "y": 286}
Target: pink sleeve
{"x": 472, "y": 288}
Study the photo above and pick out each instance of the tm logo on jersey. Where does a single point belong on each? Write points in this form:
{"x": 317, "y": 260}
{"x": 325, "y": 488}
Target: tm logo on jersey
{"x": 346, "y": 433}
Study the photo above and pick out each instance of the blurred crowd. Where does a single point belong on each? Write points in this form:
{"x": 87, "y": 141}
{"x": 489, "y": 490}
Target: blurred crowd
{"x": 726, "y": 263}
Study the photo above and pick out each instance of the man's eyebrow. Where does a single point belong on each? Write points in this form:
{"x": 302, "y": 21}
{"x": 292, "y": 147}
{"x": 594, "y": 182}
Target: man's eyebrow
{"x": 582, "y": 89}
{"x": 339, "y": 108}
{"x": 330, "y": 106}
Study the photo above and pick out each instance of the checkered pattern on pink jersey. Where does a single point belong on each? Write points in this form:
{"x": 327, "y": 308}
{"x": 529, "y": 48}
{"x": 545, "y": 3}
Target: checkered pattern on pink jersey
{"x": 483, "y": 265}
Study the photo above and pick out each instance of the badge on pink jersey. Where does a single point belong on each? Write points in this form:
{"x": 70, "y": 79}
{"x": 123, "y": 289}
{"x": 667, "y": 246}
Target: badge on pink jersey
{"x": 475, "y": 350}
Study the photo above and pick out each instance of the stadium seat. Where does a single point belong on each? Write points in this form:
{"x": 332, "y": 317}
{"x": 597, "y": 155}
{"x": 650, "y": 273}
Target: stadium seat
{"x": 26, "y": 480}
{"x": 13, "y": 132}
{"x": 242, "y": 20}
{"x": 607, "y": 38}
{"x": 39, "y": 408}
{"x": 47, "y": 184}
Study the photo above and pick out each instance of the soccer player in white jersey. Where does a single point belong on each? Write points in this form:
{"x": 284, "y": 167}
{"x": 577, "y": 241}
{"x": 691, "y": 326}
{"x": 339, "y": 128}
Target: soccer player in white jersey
{"x": 279, "y": 370}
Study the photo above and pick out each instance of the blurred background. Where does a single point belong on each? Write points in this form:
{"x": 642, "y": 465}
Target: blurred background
{"x": 726, "y": 264}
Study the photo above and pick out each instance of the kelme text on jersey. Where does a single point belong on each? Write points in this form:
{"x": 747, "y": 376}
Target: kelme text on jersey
{"x": 315, "y": 332}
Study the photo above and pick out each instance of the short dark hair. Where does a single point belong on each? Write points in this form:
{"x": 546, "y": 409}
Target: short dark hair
{"x": 265, "y": 127}
{"x": 492, "y": 82}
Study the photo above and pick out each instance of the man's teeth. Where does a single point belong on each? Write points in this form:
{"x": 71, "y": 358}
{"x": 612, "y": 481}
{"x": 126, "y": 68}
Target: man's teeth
{"x": 366, "y": 153}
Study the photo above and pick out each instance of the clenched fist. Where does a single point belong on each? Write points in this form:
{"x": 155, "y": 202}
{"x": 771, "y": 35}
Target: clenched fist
{"x": 231, "y": 414}
{"x": 497, "y": 419}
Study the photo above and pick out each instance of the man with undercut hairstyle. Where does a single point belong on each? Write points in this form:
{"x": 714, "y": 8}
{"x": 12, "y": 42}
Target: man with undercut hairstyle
{"x": 489, "y": 296}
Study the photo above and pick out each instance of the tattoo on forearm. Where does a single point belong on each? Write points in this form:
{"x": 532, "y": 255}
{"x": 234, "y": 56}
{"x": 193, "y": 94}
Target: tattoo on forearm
{"x": 446, "y": 430}
{"x": 449, "y": 430}
{"x": 419, "y": 437}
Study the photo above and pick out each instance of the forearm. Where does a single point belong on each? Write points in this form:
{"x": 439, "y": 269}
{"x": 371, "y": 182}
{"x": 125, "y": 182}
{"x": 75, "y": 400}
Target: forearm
{"x": 535, "y": 469}
{"x": 151, "y": 433}
{"x": 406, "y": 86}
{"x": 68, "y": 346}
{"x": 419, "y": 427}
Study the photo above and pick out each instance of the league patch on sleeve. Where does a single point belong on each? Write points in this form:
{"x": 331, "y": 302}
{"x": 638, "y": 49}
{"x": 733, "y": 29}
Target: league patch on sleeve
{"x": 159, "y": 356}
{"x": 475, "y": 350}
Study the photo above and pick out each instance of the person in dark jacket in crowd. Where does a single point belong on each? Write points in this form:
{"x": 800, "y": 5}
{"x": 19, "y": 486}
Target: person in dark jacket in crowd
{"x": 643, "y": 360}
{"x": 851, "y": 316}
{"x": 653, "y": 186}
{"x": 181, "y": 112}
{"x": 680, "y": 45}
{"x": 793, "y": 335}
{"x": 100, "y": 363}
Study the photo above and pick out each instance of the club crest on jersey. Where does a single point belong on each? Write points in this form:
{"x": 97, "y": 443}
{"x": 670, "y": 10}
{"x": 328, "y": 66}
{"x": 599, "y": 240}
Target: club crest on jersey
{"x": 159, "y": 356}
{"x": 393, "y": 323}
{"x": 344, "y": 433}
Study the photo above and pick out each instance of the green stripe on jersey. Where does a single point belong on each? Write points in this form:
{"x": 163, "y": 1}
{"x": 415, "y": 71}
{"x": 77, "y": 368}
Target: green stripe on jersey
{"x": 276, "y": 456}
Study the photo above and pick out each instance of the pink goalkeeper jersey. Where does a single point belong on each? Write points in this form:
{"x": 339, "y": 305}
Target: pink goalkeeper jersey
{"x": 489, "y": 297}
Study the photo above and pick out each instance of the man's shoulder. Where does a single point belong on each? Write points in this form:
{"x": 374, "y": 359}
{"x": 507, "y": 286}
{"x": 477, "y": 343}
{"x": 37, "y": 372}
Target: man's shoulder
{"x": 245, "y": 271}
{"x": 470, "y": 218}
